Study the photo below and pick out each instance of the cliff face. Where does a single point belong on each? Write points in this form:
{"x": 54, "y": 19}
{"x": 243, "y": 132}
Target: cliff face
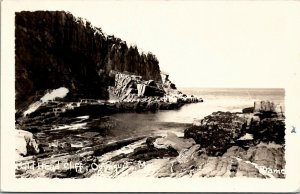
{"x": 55, "y": 49}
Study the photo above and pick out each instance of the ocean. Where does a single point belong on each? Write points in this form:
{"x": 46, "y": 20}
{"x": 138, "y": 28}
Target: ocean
{"x": 215, "y": 99}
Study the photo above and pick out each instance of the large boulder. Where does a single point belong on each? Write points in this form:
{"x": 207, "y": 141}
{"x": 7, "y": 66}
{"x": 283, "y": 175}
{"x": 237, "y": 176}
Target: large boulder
{"x": 264, "y": 106}
{"x": 266, "y": 109}
{"x": 267, "y": 123}
{"x": 125, "y": 85}
{"x": 171, "y": 140}
{"x": 130, "y": 86}
{"x": 25, "y": 143}
{"x": 217, "y": 131}
{"x": 268, "y": 130}
{"x": 148, "y": 90}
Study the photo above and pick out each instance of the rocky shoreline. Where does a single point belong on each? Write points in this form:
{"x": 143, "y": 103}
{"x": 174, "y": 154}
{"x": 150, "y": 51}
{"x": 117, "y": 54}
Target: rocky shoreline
{"x": 61, "y": 129}
{"x": 243, "y": 144}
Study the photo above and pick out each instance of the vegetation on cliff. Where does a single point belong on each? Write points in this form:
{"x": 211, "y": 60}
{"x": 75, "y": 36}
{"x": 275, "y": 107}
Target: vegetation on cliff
{"x": 55, "y": 49}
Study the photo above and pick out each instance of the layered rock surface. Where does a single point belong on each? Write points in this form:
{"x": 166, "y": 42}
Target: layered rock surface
{"x": 220, "y": 130}
{"x": 147, "y": 94}
{"x": 223, "y": 145}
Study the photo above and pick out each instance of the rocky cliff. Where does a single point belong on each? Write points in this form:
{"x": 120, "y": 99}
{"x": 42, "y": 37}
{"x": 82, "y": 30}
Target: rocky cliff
{"x": 55, "y": 49}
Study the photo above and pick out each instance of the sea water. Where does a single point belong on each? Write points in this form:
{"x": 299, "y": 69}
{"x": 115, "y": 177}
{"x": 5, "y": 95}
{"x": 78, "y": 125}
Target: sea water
{"x": 215, "y": 99}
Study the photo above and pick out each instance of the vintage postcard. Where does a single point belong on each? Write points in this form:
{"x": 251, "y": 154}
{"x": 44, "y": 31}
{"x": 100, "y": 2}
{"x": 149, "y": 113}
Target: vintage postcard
{"x": 150, "y": 96}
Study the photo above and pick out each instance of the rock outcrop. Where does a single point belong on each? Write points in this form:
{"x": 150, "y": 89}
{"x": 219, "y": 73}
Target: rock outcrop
{"x": 130, "y": 87}
{"x": 221, "y": 130}
{"x": 55, "y": 49}
{"x": 26, "y": 143}
{"x": 223, "y": 144}
{"x": 260, "y": 161}
{"x": 217, "y": 131}
{"x": 147, "y": 94}
{"x": 171, "y": 140}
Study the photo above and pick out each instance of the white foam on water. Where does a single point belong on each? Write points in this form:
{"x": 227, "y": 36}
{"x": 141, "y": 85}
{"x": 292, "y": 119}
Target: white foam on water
{"x": 83, "y": 117}
{"x": 32, "y": 108}
{"x": 57, "y": 93}
{"x": 70, "y": 127}
{"x": 112, "y": 101}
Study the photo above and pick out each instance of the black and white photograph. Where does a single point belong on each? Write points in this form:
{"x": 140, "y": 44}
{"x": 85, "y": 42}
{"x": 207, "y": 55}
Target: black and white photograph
{"x": 183, "y": 91}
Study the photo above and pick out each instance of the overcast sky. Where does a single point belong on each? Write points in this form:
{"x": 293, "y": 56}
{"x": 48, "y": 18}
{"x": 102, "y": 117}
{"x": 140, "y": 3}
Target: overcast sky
{"x": 205, "y": 44}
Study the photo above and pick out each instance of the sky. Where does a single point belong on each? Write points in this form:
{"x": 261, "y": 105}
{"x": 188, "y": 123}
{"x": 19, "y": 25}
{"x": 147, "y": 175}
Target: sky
{"x": 205, "y": 43}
